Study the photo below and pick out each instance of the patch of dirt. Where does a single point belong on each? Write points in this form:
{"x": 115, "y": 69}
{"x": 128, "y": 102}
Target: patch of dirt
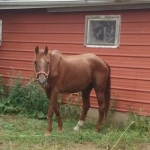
{"x": 8, "y": 117}
{"x": 145, "y": 147}
{"x": 87, "y": 146}
{"x": 91, "y": 146}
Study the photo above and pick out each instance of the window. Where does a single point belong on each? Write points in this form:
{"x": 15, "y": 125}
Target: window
{"x": 102, "y": 31}
{"x": 0, "y": 32}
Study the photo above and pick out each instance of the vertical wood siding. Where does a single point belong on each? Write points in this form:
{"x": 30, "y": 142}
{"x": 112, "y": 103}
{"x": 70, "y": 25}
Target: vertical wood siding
{"x": 130, "y": 63}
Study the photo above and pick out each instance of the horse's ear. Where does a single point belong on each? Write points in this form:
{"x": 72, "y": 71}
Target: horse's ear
{"x": 36, "y": 49}
{"x": 46, "y": 50}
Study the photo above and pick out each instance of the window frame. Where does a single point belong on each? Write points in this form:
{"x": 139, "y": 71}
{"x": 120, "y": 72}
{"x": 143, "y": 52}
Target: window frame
{"x": 117, "y": 18}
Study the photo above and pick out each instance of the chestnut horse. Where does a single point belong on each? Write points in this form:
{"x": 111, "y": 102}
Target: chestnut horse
{"x": 58, "y": 73}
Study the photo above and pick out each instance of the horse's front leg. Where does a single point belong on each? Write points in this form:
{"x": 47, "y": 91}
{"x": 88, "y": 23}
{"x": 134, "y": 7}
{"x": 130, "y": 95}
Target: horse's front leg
{"x": 50, "y": 115}
{"x": 53, "y": 108}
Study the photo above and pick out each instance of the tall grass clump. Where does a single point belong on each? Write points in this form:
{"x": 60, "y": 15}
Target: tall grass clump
{"x": 141, "y": 123}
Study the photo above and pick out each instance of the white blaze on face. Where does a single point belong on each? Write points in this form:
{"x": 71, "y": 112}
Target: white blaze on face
{"x": 42, "y": 64}
{"x": 42, "y": 60}
{"x": 79, "y": 125}
{"x": 41, "y": 76}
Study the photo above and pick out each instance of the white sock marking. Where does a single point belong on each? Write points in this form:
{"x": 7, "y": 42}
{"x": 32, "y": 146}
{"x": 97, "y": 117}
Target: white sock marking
{"x": 79, "y": 125}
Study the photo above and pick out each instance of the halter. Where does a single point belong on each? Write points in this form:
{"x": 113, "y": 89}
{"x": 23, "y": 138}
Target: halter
{"x": 41, "y": 72}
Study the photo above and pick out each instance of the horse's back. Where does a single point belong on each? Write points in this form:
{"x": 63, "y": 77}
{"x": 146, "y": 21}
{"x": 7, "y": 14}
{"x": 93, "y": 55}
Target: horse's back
{"x": 86, "y": 61}
{"x": 95, "y": 63}
{"x": 99, "y": 70}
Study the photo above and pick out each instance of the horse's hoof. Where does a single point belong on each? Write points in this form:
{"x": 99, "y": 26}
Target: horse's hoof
{"x": 59, "y": 130}
{"x": 98, "y": 130}
{"x": 47, "y": 133}
{"x": 76, "y": 128}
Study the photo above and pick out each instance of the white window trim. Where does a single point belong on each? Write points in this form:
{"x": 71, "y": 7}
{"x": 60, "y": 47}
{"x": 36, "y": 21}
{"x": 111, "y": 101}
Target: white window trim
{"x": 117, "y": 18}
{"x": 0, "y": 32}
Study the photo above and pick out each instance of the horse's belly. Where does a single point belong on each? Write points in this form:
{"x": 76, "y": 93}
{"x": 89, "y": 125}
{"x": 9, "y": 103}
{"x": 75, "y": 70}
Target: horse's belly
{"x": 74, "y": 86}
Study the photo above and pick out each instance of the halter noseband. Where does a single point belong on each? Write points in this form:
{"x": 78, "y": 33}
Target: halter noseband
{"x": 42, "y": 72}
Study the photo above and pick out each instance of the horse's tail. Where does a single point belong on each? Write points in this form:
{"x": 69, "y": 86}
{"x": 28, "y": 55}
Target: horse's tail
{"x": 107, "y": 92}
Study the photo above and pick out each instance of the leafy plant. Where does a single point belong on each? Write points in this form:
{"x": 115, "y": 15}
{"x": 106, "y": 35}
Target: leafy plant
{"x": 29, "y": 99}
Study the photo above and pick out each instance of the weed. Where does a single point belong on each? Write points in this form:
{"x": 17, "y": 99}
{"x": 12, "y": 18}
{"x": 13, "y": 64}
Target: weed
{"x": 142, "y": 123}
{"x": 72, "y": 109}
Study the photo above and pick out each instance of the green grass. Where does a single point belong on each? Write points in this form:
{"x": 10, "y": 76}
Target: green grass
{"x": 22, "y": 133}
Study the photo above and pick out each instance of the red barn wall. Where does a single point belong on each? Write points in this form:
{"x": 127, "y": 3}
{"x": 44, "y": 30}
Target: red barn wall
{"x": 22, "y": 30}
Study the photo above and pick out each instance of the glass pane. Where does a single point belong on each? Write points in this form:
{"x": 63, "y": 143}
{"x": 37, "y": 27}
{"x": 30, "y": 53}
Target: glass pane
{"x": 102, "y": 32}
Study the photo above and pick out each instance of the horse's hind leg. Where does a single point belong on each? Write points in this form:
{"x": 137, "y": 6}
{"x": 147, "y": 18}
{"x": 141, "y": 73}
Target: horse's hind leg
{"x": 85, "y": 107}
{"x": 60, "y": 124}
{"x": 101, "y": 102}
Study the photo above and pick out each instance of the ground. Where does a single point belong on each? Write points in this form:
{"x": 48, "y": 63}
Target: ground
{"x": 86, "y": 146}
{"x": 22, "y": 133}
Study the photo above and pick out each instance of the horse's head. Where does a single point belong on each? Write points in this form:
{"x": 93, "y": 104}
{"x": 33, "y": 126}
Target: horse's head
{"x": 42, "y": 65}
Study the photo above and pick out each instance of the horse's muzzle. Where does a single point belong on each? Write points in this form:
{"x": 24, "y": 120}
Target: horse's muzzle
{"x": 42, "y": 79}
{"x": 43, "y": 83}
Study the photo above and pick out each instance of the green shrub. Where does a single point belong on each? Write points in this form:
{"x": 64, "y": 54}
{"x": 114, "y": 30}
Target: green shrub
{"x": 29, "y": 99}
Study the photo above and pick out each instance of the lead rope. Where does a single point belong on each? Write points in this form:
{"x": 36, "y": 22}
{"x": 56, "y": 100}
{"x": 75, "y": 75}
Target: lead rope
{"x": 122, "y": 135}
